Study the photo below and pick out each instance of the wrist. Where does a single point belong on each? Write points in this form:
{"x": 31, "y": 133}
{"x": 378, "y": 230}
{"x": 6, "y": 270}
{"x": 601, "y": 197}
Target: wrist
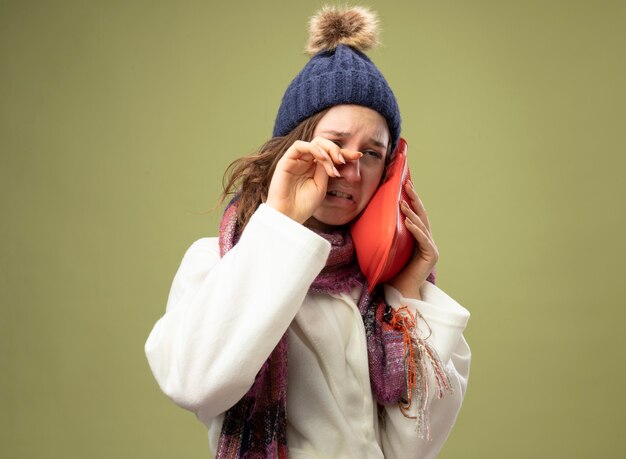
{"x": 410, "y": 289}
{"x": 286, "y": 211}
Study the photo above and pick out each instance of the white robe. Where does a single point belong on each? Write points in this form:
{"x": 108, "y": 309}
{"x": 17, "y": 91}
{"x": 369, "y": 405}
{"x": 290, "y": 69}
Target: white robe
{"x": 224, "y": 316}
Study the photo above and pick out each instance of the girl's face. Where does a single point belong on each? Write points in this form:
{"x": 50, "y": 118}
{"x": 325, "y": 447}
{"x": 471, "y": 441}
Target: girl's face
{"x": 352, "y": 127}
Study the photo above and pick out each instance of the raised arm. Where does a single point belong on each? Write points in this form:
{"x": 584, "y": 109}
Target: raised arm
{"x": 224, "y": 316}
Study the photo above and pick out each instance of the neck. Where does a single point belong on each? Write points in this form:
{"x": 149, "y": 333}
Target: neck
{"x": 316, "y": 225}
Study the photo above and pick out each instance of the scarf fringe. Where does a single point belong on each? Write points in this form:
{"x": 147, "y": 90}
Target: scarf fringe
{"x": 420, "y": 361}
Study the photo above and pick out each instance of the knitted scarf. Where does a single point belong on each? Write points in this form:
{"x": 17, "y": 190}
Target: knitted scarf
{"x": 256, "y": 426}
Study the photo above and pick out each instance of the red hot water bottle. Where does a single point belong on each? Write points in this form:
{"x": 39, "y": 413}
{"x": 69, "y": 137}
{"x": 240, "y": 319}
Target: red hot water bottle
{"x": 383, "y": 244}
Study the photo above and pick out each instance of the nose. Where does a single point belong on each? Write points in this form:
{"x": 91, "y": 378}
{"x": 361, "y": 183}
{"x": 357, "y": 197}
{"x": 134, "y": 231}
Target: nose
{"x": 351, "y": 171}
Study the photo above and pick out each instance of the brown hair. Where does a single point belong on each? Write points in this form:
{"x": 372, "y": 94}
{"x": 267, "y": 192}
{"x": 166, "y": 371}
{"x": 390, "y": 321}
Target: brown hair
{"x": 250, "y": 176}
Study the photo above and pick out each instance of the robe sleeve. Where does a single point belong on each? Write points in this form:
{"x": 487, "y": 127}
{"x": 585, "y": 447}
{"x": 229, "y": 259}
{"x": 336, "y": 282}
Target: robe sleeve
{"x": 224, "y": 316}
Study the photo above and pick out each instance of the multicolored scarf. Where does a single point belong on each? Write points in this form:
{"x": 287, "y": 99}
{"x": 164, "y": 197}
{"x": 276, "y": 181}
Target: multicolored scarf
{"x": 256, "y": 427}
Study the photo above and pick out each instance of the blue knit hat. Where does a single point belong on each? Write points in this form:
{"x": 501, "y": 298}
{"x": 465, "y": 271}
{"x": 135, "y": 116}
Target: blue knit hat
{"x": 339, "y": 72}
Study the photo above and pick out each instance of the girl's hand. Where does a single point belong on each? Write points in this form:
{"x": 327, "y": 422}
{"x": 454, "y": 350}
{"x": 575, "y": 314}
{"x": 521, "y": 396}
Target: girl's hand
{"x": 411, "y": 278}
{"x": 299, "y": 183}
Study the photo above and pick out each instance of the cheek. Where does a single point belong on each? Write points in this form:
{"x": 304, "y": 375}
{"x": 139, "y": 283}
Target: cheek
{"x": 371, "y": 183}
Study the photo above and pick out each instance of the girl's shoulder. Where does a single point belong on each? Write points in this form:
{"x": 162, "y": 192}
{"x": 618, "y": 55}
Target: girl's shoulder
{"x": 201, "y": 252}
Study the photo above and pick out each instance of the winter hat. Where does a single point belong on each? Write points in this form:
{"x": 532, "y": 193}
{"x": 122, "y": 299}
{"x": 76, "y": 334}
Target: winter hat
{"x": 338, "y": 71}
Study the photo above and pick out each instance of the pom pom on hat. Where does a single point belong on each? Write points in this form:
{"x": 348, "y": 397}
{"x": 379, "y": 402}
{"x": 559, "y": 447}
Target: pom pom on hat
{"x": 339, "y": 72}
{"x": 333, "y": 26}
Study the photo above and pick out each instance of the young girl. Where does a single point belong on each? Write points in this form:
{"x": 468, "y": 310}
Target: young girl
{"x": 271, "y": 335}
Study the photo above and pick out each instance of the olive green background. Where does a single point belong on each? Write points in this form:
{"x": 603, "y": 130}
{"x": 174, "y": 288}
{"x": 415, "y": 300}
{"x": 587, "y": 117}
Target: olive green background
{"x": 118, "y": 118}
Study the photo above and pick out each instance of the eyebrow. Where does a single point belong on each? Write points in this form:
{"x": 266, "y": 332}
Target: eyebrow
{"x": 347, "y": 134}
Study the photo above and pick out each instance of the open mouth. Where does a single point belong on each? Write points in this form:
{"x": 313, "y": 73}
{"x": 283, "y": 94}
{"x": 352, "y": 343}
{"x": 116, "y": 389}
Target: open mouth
{"x": 340, "y": 194}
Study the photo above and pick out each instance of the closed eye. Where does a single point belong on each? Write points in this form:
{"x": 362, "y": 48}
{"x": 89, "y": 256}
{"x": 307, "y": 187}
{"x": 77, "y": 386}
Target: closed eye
{"x": 336, "y": 142}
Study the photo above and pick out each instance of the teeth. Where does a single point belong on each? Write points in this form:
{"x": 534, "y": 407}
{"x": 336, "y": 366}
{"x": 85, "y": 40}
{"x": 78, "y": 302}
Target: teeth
{"x": 340, "y": 194}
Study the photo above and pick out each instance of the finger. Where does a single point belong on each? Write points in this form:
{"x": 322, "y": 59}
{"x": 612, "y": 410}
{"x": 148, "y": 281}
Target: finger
{"x": 322, "y": 157}
{"x": 351, "y": 154}
{"x": 418, "y": 205}
{"x": 339, "y": 155}
{"x": 414, "y": 217}
{"x": 301, "y": 150}
{"x": 331, "y": 148}
{"x": 426, "y": 246}
{"x": 320, "y": 178}
{"x": 419, "y": 234}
